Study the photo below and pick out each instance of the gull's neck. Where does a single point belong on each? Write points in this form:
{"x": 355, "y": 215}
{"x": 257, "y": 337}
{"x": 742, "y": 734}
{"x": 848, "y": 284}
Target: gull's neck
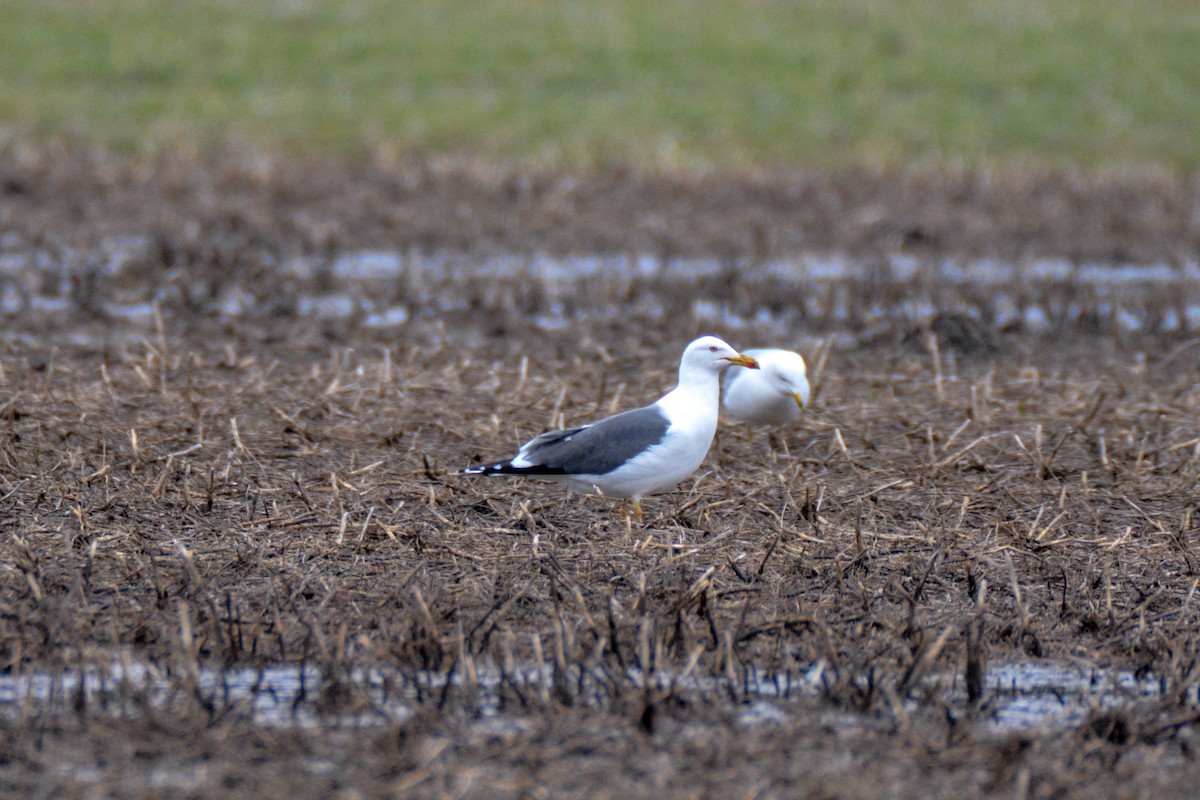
{"x": 698, "y": 389}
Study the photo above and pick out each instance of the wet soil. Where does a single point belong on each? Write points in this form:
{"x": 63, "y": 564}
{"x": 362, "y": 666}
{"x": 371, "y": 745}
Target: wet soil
{"x": 429, "y": 204}
{"x": 208, "y": 486}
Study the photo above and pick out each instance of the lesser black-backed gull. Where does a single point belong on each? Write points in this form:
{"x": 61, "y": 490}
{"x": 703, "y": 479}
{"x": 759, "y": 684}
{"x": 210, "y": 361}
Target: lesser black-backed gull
{"x": 639, "y": 452}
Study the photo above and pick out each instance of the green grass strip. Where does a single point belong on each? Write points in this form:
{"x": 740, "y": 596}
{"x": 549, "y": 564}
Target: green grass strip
{"x": 648, "y": 83}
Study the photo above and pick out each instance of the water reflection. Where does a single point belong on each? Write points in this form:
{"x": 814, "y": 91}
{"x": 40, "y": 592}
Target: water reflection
{"x": 390, "y": 289}
{"x": 1020, "y": 696}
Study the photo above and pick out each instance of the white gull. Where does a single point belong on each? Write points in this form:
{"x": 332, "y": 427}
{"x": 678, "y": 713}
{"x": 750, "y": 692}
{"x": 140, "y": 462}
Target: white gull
{"x": 775, "y": 394}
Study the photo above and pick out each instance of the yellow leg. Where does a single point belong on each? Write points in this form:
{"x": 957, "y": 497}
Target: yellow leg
{"x": 637, "y": 514}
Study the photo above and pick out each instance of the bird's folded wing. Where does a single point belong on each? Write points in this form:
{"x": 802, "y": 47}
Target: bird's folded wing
{"x": 596, "y": 449}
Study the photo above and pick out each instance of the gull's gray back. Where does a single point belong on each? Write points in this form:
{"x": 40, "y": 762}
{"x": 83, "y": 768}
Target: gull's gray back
{"x": 600, "y": 448}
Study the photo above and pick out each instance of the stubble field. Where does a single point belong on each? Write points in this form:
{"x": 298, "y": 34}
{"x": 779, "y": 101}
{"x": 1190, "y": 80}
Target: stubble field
{"x": 235, "y": 561}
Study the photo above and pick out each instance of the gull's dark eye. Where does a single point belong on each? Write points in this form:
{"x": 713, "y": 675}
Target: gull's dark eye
{"x": 712, "y": 348}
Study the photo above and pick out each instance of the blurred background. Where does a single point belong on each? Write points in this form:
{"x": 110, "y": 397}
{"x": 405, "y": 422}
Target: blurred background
{"x": 659, "y": 84}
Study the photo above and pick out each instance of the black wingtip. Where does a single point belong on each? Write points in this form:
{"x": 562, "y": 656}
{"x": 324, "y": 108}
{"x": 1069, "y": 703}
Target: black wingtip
{"x": 502, "y": 468}
{"x": 507, "y": 468}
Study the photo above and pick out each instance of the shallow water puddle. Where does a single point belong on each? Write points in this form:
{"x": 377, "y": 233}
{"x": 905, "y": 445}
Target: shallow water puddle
{"x": 384, "y": 289}
{"x": 271, "y": 694}
{"x": 1113, "y": 290}
{"x": 1049, "y": 694}
{"x": 1022, "y": 696}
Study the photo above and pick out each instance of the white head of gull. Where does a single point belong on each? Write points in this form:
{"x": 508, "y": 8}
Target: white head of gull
{"x": 638, "y": 452}
{"x": 772, "y": 395}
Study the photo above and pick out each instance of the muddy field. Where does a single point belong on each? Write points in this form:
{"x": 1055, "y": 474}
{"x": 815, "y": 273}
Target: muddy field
{"x": 235, "y": 560}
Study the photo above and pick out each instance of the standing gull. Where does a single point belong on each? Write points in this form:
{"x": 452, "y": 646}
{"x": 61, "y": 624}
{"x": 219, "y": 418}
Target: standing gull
{"x": 639, "y": 452}
{"x": 773, "y": 395}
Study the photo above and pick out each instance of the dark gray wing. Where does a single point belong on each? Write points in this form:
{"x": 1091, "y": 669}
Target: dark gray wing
{"x": 597, "y": 449}
{"x": 587, "y": 450}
